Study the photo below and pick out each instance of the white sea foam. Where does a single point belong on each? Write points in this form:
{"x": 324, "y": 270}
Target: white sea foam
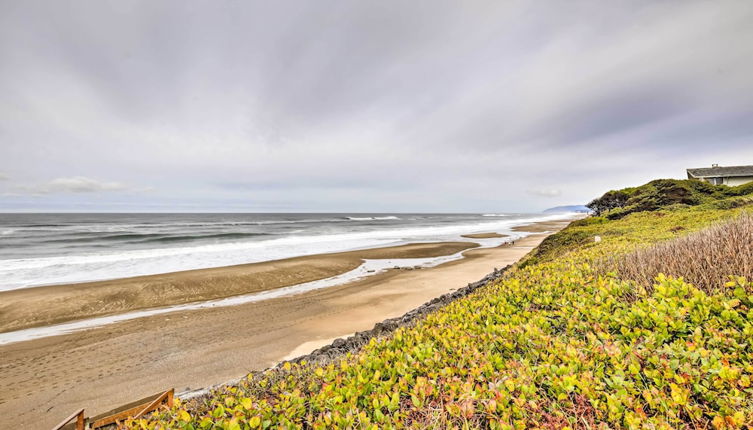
{"x": 373, "y": 218}
{"x": 25, "y": 272}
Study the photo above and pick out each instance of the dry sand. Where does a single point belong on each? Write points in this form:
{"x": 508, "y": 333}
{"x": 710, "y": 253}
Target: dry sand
{"x": 44, "y": 380}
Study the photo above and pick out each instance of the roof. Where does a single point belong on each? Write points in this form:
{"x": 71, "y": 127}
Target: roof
{"x": 720, "y": 171}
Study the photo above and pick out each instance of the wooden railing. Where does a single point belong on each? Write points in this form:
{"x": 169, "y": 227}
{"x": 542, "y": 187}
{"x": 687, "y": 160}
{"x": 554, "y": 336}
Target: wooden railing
{"x": 79, "y": 415}
{"x": 137, "y": 410}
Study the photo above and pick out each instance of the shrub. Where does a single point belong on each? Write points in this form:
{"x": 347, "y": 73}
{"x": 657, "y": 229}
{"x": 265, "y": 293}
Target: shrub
{"x": 663, "y": 194}
{"x": 609, "y": 201}
{"x": 732, "y": 202}
{"x": 740, "y": 190}
{"x": 705, "y": 259}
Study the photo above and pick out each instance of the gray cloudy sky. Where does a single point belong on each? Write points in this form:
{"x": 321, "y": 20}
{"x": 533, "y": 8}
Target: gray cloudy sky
{"x": 364, "y": 106}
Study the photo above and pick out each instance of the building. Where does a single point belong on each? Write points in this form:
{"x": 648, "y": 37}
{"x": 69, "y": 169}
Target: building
{"x": 723, "y": 175}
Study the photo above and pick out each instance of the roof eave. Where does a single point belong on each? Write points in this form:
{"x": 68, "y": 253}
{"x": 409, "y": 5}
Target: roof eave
{"x": 724, "y": 175}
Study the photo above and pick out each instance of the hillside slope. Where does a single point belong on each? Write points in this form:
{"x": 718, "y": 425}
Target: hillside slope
{"x": 663, "y": 193}
{"x": 562, "y": 341}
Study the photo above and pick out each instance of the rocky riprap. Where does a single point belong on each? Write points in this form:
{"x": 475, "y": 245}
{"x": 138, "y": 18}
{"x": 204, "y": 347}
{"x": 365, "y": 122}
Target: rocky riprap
{"x": 340, "y": 347}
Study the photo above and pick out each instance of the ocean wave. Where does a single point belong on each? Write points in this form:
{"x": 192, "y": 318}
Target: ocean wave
{"x": 247, "y": 223}
{"x": 372, "y": 218}
{"x": 207, "y": 236}
{"x": 98, "y": 229}
{"x": 156, "y": 237}
{"x": 89, "y": 266}
{"x": 496, "y": 215}
{"x": 42, "y": 225}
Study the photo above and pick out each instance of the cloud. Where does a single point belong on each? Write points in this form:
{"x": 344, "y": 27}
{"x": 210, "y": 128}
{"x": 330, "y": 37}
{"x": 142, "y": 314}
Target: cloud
{"x": 73, "y": 184}
{"x": 370, "y": 105}
{"x": 3, "y": 177}
{"x": 545, "y": 192}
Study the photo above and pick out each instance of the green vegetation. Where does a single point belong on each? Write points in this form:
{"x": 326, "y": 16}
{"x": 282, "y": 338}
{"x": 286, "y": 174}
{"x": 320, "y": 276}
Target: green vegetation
{"x": 663, "y": 193}
{"x": 557, "y": 343}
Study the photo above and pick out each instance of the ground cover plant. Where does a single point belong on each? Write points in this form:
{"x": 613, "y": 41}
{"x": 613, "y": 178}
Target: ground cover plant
{"x": 558, "y": 343}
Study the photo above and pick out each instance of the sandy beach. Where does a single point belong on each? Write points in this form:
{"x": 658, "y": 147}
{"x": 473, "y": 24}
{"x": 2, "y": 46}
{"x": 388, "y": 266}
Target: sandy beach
{"x": 45, "y": 379}
{"x": 31, "y": 307}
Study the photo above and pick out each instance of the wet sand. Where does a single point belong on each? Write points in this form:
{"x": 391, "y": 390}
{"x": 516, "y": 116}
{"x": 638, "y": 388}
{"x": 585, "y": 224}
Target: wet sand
{"x": 40, "y": 306}
{"x": 44, "y": 380}
{"x": 544, "y": 226}
{"x": 483, "y": 235}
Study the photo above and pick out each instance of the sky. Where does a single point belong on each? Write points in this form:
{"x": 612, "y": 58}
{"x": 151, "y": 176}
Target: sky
{"x": 365, "y": 106}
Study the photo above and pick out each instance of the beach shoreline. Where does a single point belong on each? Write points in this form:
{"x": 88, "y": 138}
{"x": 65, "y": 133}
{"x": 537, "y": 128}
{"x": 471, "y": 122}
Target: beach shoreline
{"x": 104, "y": 367}
{"x": 54, "y": 304}
{"x": 68, "y": 249}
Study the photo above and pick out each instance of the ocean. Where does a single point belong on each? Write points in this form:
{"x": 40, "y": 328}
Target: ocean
{"x": 45, "y": 249}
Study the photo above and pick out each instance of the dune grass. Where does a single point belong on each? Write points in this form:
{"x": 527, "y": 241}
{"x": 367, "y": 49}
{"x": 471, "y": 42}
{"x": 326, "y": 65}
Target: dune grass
{"x": 705, "y": 259}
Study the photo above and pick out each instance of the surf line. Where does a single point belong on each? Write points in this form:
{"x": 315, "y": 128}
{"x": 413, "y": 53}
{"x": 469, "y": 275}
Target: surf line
{"x": 366, "y": 269}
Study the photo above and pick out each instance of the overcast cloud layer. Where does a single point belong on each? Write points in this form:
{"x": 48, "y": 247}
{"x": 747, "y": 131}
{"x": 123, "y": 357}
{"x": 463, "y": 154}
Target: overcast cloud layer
{"x": 364, "y": 106}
